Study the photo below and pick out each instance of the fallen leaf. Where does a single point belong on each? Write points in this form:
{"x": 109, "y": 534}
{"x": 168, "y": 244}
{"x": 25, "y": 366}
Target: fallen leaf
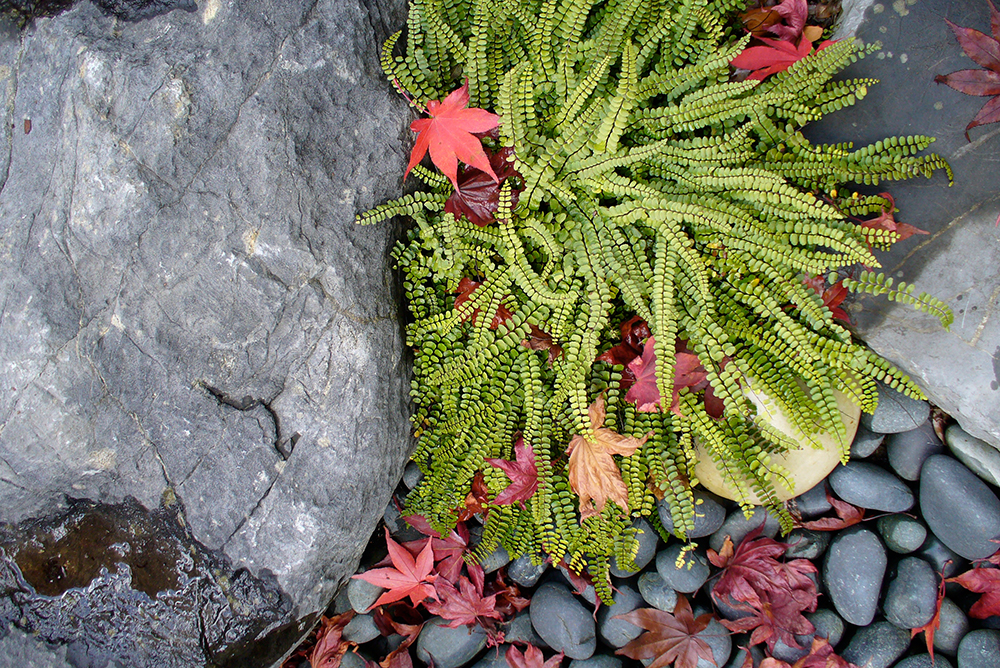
{"x": 531, "y": 658}
{"x": 794, "y": 14}
{"x": 688, "y": 373}
{"x": 477, "y": 194}
{"x": 593, "y": 473}
{"x": 670, "y": 639}
{"x": 466, "y": 287}
{"x": 985, "y": 581}
{"x": 985, "y": 52}
{"x": 887, "y": 221}
{"x": 464, "y": 605}
{"x": 449, "y": 551}
{"x": 821, "y": 655}
{"x": 832, "y": 296}
{"x": 409, "y": 577}
{"x": 634, "y": 332}
{"x": 330, "y": 644}
{"x": 847, "y": 516}
{"x": 935, "y": 622}
{"x": 523, "y": 475}
{"x": 508, "y": 597}
{"x": 449, "y": 135}
{"x": 539, "y": 339}
{"x": 775, "y": 593}
{"x": 771, "y": 57}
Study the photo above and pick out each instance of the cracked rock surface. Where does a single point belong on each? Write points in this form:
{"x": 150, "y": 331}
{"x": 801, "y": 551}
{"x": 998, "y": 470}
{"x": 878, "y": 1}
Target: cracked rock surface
{"x": 186, "y": 305}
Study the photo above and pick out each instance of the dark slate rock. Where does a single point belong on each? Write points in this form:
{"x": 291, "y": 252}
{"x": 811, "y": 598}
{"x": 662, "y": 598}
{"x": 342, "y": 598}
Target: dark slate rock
{"x": 718, "y": 638}
{"x": 876, "y": 646}
{"x": 520, "y": 630}
{"x": 828, "y": 625}
{"x": 449, "y": 647}
{"x": 871, "y": 486}
{"x": 562, "y": 621}
{"x": 982, "y": 458}
{"x": 524, "y": 573}
{"x": 495, "y": 560}
{"x": 709, "y": 515}
{"x": 959, "y": 508}
{"x": 813, "y": 503}
{"x": 597, "y": 661}
{"x": 908, "y": 450}
{"x": 412, "y": 475}
{"x": 954, "y": 626}
{"x": 924, "y": 661}
{"x": 902, "y": 534}
{"x": 791, "y": 654}
{"x": 956, "y": 367}
{"x": 656, "y": 592}
{"x": 589, "y": 593}
{"x": 361, "y": 629}
{"x": 979, "y": 649}
{"x": 492, "y": 658}
{"x": 400, "y": 529}
{"x": 896, "y": 412}
{"x": 190, "y": 304}
{"x": 940, "y": 557}
{"x": 691, "y": 575}
{"x": 362, "y": 594}
{"x": 617, "y": 632}
{"x": 352, "y": 659}
{"x": 806, "y": 544}
{"x": 738, "y": 525}
{"x": 852, "y": 573}
{"x": 739, "y": 657}
{"x": 911, "y": 598}
{"x": 865, "y": 442}
{"x": 648, "y": 540}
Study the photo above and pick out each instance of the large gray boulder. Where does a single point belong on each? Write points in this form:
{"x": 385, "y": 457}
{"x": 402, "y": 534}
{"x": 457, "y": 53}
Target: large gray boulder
{"x": 959, "y": 261}
{"x": 188, "y": 314}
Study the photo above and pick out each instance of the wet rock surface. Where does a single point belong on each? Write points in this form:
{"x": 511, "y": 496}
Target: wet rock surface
{"x": 188, "y": 303}
{"x": 111, "y": 582}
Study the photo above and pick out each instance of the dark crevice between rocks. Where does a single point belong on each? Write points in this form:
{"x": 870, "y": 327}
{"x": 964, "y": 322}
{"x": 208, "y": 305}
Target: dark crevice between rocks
{"x": 113, "y": 581}
{"x": 283, "y": 446}
{"x": 23, "y": 12}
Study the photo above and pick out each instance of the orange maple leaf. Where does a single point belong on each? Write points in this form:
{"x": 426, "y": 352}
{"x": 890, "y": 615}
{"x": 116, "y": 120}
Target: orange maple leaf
{"x": 448, "y": 133}
{"x": 593, "y": 474}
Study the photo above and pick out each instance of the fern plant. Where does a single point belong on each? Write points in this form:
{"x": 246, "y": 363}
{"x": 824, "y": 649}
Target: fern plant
{"x": 653, "y": 184}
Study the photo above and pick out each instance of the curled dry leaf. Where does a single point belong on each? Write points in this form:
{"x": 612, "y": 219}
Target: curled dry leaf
{"x": 670, "y": 639}
{"x": 330, "y": 645}
{"x": 532, "y": 657}
{"x": 593, "y": 473}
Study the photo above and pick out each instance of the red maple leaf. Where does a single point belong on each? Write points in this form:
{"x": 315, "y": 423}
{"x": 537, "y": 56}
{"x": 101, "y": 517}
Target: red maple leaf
{"x": 820, "y": 655}
{"x": 330, "y": 644}
{"x": 775, "y": 593}
{"x": 449, "y": 134}
{"x": 448, "y": 551}
{"x": 634, "y": 332}
{"x": 465, "y": 605}
{"x": 477, "y": 194}
{"x": 508, "y": 597}
{"x": 847, "y": 516}
{"x": 408, "y": 577}
{"x": 985, "y": 51}
{"x": 832, "y": 296}
{"x": 523, "y": 475}
{"x": 935, "y": 622}
{"x": 688, "y": 372}
{"x": 388, "y": 625}
{"x": 887, "y": 221}
{"x": 476, "y": 498}
{"x": 669, "y": 638}
{"x": 531, "y": 658}
{"x": 985, "y": 581}
{"x": 773, "y": 56}
{"x": 466, "y": 287}
{"x": 539, "y": 339}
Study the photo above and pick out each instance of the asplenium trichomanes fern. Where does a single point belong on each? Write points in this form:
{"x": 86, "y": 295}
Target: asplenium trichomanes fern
{"x": 652, "y": 184}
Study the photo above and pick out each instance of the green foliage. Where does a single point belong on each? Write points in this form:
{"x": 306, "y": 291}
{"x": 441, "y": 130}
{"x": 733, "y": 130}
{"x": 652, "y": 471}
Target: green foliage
{"x": 653, "y": 185}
